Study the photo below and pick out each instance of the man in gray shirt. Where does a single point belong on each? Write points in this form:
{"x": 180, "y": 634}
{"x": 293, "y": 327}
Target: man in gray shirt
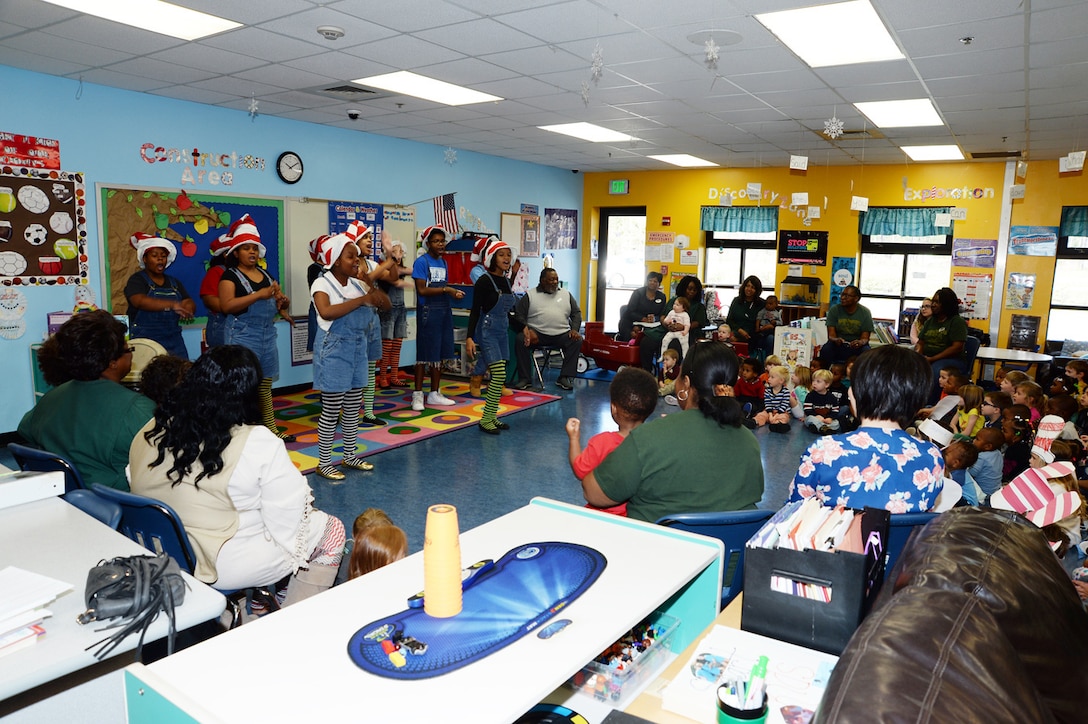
{"x": 549, "y": 317}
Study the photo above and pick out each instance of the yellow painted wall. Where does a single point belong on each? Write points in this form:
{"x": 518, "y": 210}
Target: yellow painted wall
{"x": 679, "y": 194}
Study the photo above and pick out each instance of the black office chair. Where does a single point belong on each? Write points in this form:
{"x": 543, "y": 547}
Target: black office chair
{"x": 31, "y": 458}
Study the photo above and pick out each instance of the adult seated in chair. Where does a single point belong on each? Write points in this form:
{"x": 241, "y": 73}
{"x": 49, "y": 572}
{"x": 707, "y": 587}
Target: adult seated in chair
{"x": 549, "y": 317}
{"x": 246, "y": 508}
{"x": 647, "y": 304}
{"x": 690, "y": 288}
{"x": 88, "y": 416}
{"x": 741, "y": 317}
{"x": 943, "y": 337}
{"x": 849, "y": 325}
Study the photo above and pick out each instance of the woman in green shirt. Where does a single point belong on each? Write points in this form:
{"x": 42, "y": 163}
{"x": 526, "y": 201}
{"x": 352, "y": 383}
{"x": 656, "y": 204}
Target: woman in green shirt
{"x": 698, "y": 460}
{"x": 943, "y": 336}
{"x": 690, "y": 288}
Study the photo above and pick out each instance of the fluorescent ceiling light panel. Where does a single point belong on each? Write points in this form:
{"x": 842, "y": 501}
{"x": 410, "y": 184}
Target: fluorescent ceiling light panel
{"x": 901, "y": 114}
{"x": 429, "y": 89}
{"x": 589, "y": 132}
{"x": 837, "y": 34}
{"x": 933, "y": 153}
{"x": 154, "y": 15}
{"x": 684, "y": 160}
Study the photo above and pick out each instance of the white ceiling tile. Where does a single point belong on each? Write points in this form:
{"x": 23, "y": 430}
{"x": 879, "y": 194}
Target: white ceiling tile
{"x": 96, "y": 31}
{"x": 406, "y": 17}
{"x": 993, "y": 33}
{"x": 248, "y": 12}
{"x": 34, "y": 14}
{"x": 405, "y": 52}
{"x": 536, "y": 60}
{"x": 303, "y": 26}
{"x": 661, "y": 70}
{"x": 1062, "y": 52}
{"x": 259, "y": 43}
{"x": 961, "y": 65}
{"x": 196, "y": 95}
{"x": 473, "y": 36}
{"x": 207, "y": 58}
{"x": 238, "y": 87}
{"x": 517, "y": 88}
{"x": 267, "y": 108}
{"x": 345, "y": 66}
{"x": 1068, "y": 21}
{"x": 469, "y": 72}
{"x": 157, "y": 69}
{"x": 113, "y": 79}
{"x": 285, "y": 76}
{"x": 566, "y": 21}
{"x": 71, "y": 50}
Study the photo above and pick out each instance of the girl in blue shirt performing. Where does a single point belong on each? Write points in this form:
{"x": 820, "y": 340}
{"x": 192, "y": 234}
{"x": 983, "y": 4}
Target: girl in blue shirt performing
{"x": 488, "y": 322}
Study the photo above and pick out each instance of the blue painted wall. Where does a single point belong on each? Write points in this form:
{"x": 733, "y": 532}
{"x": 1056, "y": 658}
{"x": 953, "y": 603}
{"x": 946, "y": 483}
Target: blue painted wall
{"x": 101, "y": 130}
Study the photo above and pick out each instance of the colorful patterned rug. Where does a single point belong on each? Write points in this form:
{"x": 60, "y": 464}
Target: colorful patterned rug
{"x": 298, "y": 414}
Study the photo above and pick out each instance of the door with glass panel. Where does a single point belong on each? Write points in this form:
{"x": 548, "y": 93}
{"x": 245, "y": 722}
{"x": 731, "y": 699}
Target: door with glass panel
{"x": 621, "y": 266}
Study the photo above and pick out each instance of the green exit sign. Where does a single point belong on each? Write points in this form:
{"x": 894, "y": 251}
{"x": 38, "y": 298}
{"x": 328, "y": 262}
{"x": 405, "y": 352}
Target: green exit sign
{"x": 618, "y": 186}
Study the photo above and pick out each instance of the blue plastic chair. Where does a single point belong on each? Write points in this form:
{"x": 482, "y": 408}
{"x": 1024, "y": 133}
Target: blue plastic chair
{"x": 94, "y": 505}
{"x": 733, "y": 528}
{"x": 31, "y": 458}
{"x": 157, "y": 527}
{"x": 899, "y": 530}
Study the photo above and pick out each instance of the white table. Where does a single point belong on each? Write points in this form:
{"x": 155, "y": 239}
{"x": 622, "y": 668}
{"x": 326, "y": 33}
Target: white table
{"x": 993, "y": 355}
{"x": 295, "y": 662}
{"x": 58, "y": 540}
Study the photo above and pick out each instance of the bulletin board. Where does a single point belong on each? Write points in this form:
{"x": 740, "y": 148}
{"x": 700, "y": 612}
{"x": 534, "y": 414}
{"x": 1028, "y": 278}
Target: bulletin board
{"x": 192, "y": 222}
{"x": 43, "y": 227}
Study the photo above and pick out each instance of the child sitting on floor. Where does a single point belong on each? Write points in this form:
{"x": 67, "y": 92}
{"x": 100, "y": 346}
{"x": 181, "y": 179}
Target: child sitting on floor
{"x": 823, "y": 406}
{"x": 749, "y": 390}
{"x": 668, "y": 372}
{"x": 993, "y": 408}
{"x": 776, "y": 400}
{"x": 801, "y": 379}
{"x": 968, "y": 419}
{"x": 1077, "y": 370}
{"x": 958, "y": 457}
{"x": 769, "y": 361}
{"x": 1018, "y": 431}
{"x": 1011, "y": 380}
{"x": 376, "y": 543}
{"x": 633, "y": 393}
{"x": 1031, "y": 394}
{"x": 986, "y": 472}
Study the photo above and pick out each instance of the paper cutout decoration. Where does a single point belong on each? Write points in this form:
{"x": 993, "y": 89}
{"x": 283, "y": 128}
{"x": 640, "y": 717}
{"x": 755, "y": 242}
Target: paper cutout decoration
{"x": 755, "y": 191}
{"x": 859, "y": 203}
{"x": 813, "y": 212}
{"x": 800, "y": 199}
{"x": 942, "y": 221}
{"x": 1021, "y": 169}
{"x": 725, "y": 200}
{"x": 1016, "y": 191}
{"x": 799, "y": 163}
{"x": 958, "y": 214}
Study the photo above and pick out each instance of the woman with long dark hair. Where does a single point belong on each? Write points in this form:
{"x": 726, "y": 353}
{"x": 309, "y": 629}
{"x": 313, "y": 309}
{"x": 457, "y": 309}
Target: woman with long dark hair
{"x": 246, "y": 508}
{"x": 943, "y": 336}
{"x": 690, "y": 288}
{"x": 701, "y": 459}
{"x": 741, "y": 317}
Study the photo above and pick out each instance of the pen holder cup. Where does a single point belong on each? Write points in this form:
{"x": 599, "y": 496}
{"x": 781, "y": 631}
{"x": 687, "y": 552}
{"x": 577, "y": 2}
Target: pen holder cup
{"x": 730, "y": 715}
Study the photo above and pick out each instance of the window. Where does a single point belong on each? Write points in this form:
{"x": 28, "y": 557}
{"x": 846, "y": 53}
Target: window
{"x": 1068, "y": 318}
{"x": 740, "y": 242}
{"x": 905, "y": 258}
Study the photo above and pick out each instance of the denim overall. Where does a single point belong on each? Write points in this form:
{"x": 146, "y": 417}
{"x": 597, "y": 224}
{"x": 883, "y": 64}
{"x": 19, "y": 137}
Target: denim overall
{"x": 490, "y": 335}
{"x": 161, "y": 326}
{"x": 341, "y": 353}
{"x": 256, "y": 329}
{"x": 215, "y": 329}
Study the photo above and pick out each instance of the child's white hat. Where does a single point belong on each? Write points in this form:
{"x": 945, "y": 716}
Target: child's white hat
{"x": 142, "y": 242}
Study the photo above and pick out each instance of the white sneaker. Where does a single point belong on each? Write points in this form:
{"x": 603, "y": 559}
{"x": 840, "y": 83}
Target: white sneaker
{"x": 671, "y": 400}
{"x": 417, "y": 401}
{"x": 437, "y": 398}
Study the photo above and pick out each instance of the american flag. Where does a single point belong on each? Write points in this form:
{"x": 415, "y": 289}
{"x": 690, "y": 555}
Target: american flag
{"x": 445, "y": 214}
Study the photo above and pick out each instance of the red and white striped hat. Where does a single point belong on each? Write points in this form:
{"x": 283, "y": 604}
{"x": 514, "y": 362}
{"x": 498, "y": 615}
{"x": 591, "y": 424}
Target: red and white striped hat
{"x": 494, "y": 244}
{"x": 142, "y": 242}
{"x": 1030, "y": 493}
{"x": 331, "y": 248}
{"x": 1050, "y": 427}
{"x": 357, "y": 230}
{"x": 426, "y": 235}
{"x": 314, "y": 247}
{"x": 244, "y": 231}
{"x": 220, "y": 245}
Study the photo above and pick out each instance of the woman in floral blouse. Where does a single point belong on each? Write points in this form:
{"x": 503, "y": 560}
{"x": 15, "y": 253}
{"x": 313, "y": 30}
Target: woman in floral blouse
{"x": 878, "y": 464}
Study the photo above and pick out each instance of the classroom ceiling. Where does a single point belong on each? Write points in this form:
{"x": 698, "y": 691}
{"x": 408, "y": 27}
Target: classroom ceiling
{"x": 1019, "y": 85}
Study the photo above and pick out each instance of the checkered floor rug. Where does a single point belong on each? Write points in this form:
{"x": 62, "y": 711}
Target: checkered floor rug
{"x": 298, "y": 414}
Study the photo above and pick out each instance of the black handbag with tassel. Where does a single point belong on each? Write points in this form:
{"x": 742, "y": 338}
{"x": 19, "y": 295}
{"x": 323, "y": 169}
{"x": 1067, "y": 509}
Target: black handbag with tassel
{"x": 130, "y": 593}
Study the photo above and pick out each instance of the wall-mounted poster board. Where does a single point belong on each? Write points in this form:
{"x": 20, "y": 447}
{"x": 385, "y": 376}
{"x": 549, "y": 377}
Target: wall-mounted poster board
{"x": 43, "y": 227}
{"x": 191, "y": 221}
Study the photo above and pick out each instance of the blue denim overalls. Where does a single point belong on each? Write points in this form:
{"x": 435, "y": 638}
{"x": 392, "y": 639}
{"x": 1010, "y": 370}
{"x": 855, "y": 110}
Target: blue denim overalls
{"x": 163, "y": 327}
{"x": 256, "y": 329}
{"x": 215, "y": 329}
{"x": 340, "y": 354}
{"x": 490, "y": 335}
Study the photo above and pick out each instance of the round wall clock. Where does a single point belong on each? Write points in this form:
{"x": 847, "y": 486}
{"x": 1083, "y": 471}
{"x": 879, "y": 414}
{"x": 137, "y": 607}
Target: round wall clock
{"x": 289, "y": 167}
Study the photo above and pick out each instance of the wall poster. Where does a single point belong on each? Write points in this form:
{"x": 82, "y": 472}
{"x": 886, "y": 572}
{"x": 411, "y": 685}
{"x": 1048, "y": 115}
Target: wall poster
{"x": 1033, "y": 240}
{"x": 1020, "y": 291}
{"x": 43, "y": 227}
{"x": 802, "y": 247}
{"x": 974, "y": 292}
{"x": 560, "y": 229}
{"x": 843, "y": 271}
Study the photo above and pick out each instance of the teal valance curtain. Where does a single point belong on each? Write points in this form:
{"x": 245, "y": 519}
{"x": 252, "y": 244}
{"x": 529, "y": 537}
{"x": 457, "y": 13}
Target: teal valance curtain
{"x": 1074, "y": 221}
{"x": 885, "y": 221}
{"x": 743, "y": 219}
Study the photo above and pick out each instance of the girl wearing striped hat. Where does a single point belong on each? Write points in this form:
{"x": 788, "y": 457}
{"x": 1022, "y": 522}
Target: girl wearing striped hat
{"x": 156, "y": 300}
{"x": 369, "y": 273}
{"x": 251, "y": 299}
{"x": 341, "y": 350}
{"x": 209, "y": 292}
{"x": 488, "y": 322}
{"x": 313, "y": 272}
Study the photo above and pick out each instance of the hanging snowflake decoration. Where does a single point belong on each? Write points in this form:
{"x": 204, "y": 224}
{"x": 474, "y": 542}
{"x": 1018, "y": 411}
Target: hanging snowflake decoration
{"x": 585, "y": 92}
{"x": 833, "y": 127}
{"x": 712, "y": 50}
{"x": 254, "y": 107}
{"x": 450, "y": 155}
{"x": 597, "y": 66}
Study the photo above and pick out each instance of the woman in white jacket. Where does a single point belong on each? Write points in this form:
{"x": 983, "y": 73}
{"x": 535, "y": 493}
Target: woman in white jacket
{"x": 246, "y": 508}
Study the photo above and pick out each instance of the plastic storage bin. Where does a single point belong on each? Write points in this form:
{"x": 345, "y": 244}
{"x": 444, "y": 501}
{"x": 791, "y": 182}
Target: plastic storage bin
{"x": 607, "y": 678}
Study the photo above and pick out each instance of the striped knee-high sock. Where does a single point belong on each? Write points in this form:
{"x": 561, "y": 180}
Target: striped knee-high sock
{"x": 264, "y": 402}
{"x": 392, "y": 358}
{"x": 493, "y": 393}
{"x": 387, "y": 355}
{"x": 349, "y": 422}
{"x": 368, "y": 392}
{"x": 331, "y": 402}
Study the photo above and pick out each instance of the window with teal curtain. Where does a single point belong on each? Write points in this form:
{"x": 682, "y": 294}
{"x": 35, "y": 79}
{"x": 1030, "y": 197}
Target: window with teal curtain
{"x": 754, "y": 220}
{"x": 891, "y": 221}
{"x": 1073, "y": 232}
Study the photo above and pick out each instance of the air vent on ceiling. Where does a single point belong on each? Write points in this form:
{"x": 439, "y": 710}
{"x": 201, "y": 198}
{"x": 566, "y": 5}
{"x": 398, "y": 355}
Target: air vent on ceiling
{"x": 855, "y": 135}
{"x": 348, "y": 92}
{"x": 995, "y": 154}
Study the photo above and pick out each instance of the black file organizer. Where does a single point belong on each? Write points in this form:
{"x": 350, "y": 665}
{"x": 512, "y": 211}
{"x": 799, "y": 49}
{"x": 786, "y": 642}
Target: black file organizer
{"x": 854, "y": 579}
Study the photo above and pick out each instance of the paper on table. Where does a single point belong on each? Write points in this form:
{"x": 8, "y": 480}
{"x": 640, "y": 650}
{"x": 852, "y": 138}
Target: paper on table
{"x": 796, "y": 676}
{"x": 22, "y": 591}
